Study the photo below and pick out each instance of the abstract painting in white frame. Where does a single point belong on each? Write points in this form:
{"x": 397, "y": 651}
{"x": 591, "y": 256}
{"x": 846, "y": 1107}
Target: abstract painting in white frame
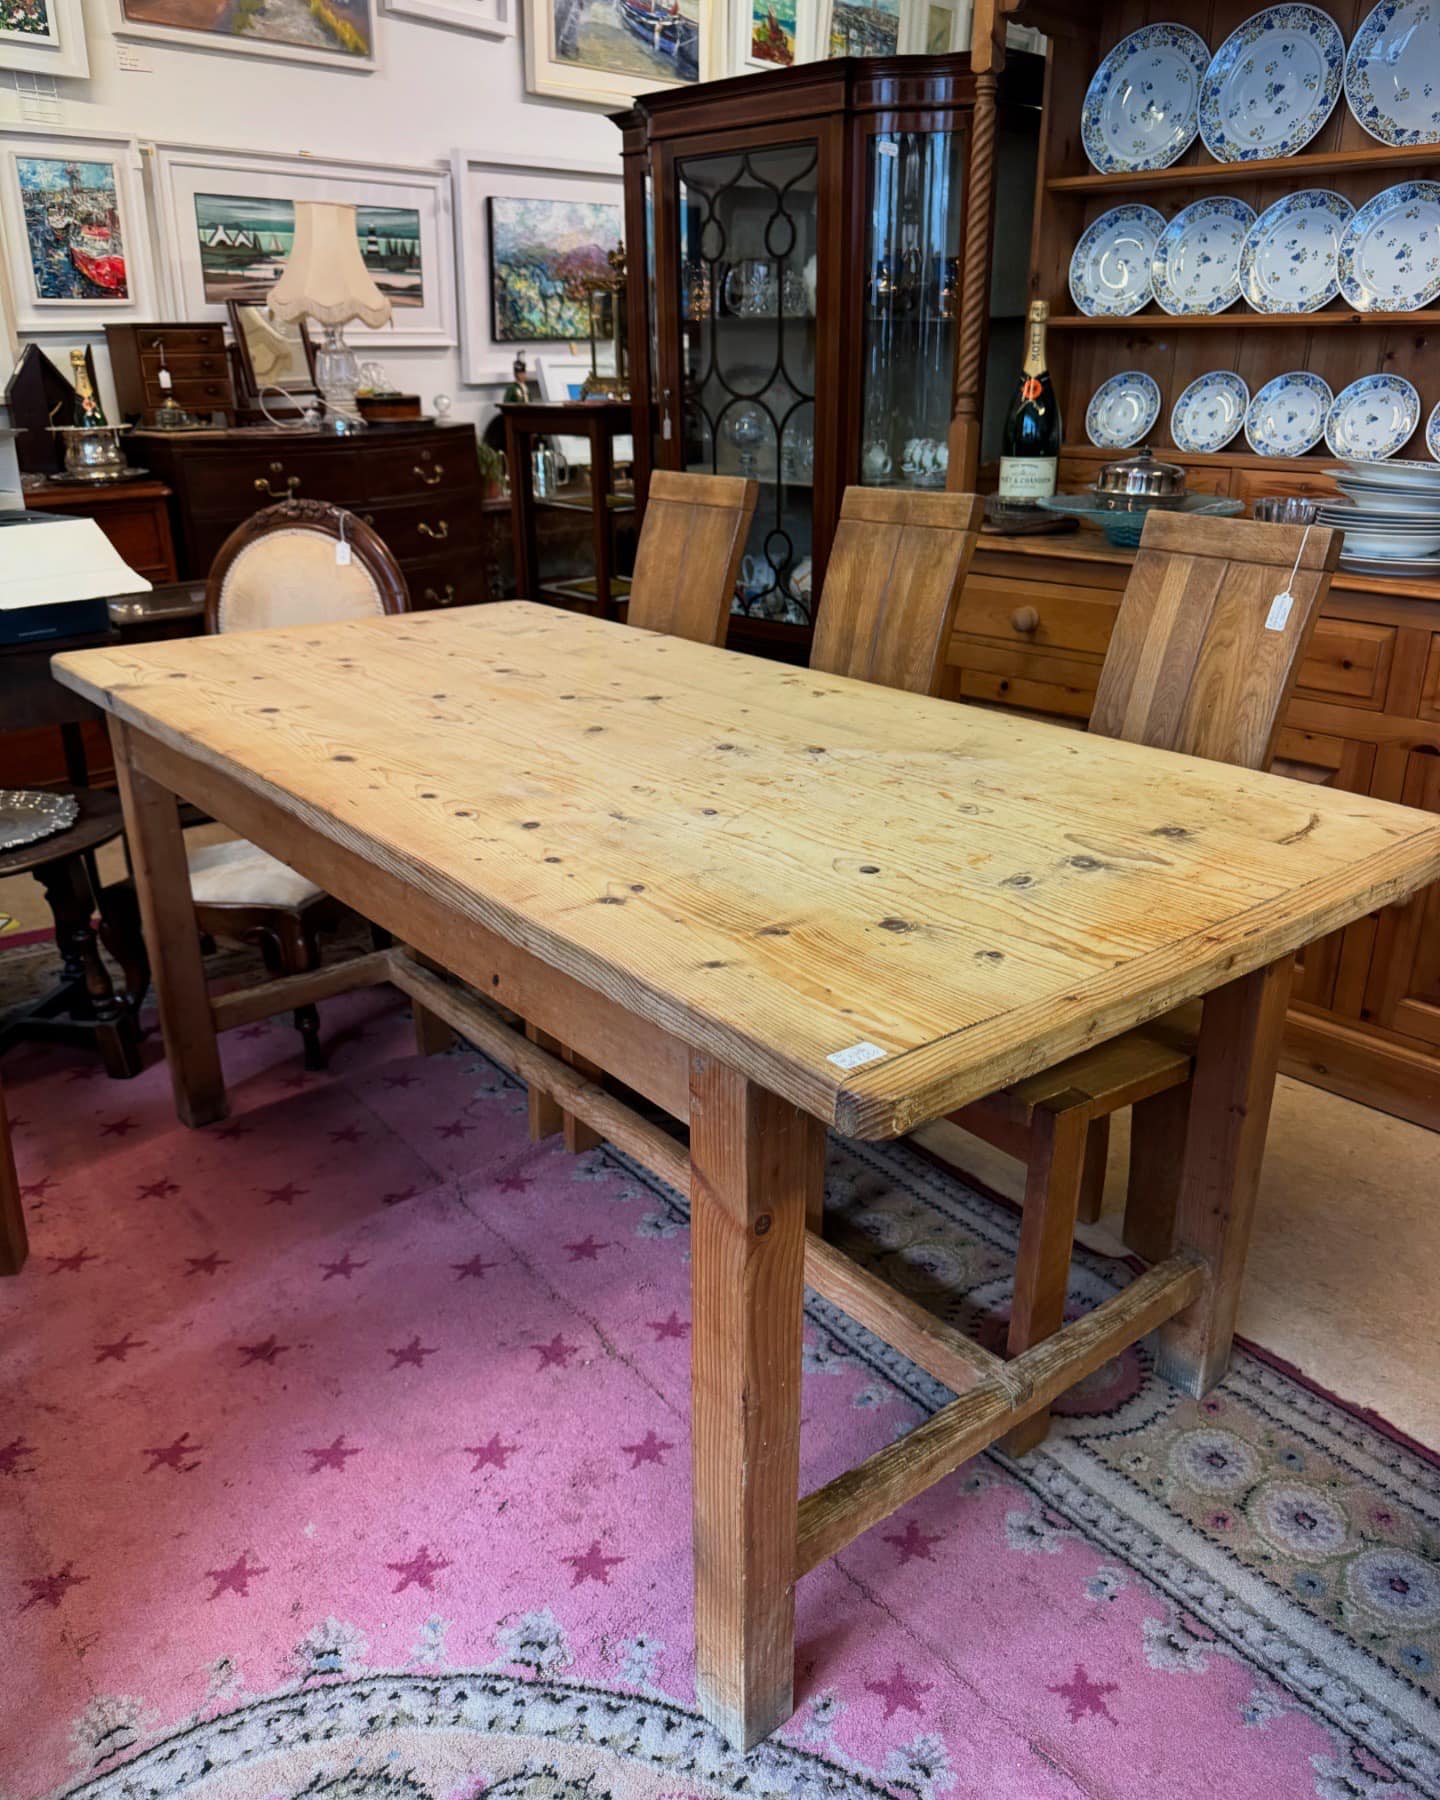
{"x": 773, "y": 34}
{"x": 73, "y": 220}
{"x": 685, "y": 44}
{"x": 43, "y": 37}
{"x": 191, "y": 183}
{"x": 350, "y": 25}
{"x": 481, "y": 18}
{"x": 484, "y": 175}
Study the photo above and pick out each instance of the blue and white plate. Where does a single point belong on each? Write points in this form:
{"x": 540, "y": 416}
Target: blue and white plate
{"x": 1392, "y": 74}
{"x": 1272, "y": 84}
{"x": 1432, "y": 434}
{"x": 1287, "y": 417}
{"x": 1372, "y": 418}
{"x": 1110, "y": 270}
{"x": 1142, "y": 106}
{"x": 1390, "y": 254}
{"x": 1196, "y": 268}
{"x": 1290, "y": 262}
{"x": 1209, "y": 413}
{"x": 1123, "y": 410}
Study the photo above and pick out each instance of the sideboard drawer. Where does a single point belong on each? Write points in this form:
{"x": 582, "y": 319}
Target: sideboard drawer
{"x": 1042, "y": 615}
{"x": 1348, "y": 660}
{"x": 238, "y": 482}
{"x": 449, "y": 467}
{"x": 430, "y": 528}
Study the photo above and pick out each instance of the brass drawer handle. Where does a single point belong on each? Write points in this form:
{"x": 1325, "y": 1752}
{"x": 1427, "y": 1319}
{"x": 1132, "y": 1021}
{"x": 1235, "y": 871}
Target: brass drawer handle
{"x": 442, "y": 530}
{"x": 443, "y": 599}
{"x": 431, "y": 478}
{"x": 1025, "y": 619}
{"x": 369, "y": 519}
{"x": 263, "y": 484}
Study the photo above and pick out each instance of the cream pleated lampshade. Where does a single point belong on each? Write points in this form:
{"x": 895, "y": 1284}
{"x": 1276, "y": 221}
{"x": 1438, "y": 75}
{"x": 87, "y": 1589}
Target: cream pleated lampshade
{"x": 325, "y": 277}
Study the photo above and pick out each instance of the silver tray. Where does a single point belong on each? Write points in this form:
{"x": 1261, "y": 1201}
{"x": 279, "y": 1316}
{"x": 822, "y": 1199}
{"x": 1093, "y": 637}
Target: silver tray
{"x": 27, "y": 816}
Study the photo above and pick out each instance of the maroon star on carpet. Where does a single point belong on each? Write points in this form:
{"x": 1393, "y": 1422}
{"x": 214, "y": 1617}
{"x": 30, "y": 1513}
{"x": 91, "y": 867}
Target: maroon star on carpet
{"x": 88, "y": 1072}
{"x": 457, "y": 1128}
{"x": 913, "y": 1543}
{"x": 399, "y": 1081}
{"x": 344, "y": 1269}
{"x": 120, "y": 1349}
{"x": 33, "y": 1190}
{"x": 587, "y": 1250}
{"x": 157, "y": 1190}
{"x": 493, "y": 1455}
{"x": 414, "y": 1352}
{"x": 592, "y": 1565}
{"x": 72, "y": 1264}
{"x": 514, "y": 1184}
{"x": 237, "y": 1129}
{"x": 253, "y": 1031}
{"x": 673, "y": 1327}
{"x": 296, "y": 1081}
{"x": 395, "y": 1199}
{"x": 1082, "y": 1695}
{"x": 332, "y": 1456}
{"x": 172, "y": 1456}
{"x": 284, "y": 1196}
{"x": 208, "y": 1264}
{"x": 121, "y": 1127}
{"x": 346, "y": 1134}
{"x": 419, "y": 1571}
{"x": 901, "y": 1690}
{"x": 10, "y": 1455}
{"x": 556, "y": 1354}
{"x": 263, "y": 1353}
{"x": 650, "y": 1449}
{"x": 475, "y": 1269}
{"x": 51, "y": 1589}
{"x": 237, "y": 1578}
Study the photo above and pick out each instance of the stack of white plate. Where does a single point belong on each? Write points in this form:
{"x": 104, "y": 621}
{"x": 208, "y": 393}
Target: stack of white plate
{"x": 1391, "y": 512}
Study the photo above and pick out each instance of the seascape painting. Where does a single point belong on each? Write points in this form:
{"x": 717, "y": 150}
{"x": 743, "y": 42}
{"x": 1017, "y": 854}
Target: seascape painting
{"x": 244, "y": 241}
{"x": 28, "y": 22}
{"x": 772, "y": 31}
{"x": 73, "y": 230}
{"x": 332, "y": 28}
{"x": 656, "y": 40}
{"x": 872, "y": 30}
{"x": 541, "y": 254}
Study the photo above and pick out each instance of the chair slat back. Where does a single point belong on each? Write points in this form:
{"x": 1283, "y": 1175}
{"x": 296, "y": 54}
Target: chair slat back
{"x": 689, "y": 554}
{"x": 1204, "y": 656}
{"x": 892, "y": 584}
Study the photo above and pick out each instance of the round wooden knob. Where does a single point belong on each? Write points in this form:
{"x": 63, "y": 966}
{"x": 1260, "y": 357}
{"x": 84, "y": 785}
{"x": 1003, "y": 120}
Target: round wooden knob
{"x": 1025, "y": 618}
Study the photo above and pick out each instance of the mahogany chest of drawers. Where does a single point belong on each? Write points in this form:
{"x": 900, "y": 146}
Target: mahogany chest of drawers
{"x": 195, "y": 355}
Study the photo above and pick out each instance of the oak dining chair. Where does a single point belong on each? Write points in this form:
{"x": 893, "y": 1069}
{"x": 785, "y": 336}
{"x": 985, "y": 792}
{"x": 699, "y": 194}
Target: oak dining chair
{"x": 1211, "y": 631}
{"x": 892, "y": 586}
{"x": 688, "y": 557}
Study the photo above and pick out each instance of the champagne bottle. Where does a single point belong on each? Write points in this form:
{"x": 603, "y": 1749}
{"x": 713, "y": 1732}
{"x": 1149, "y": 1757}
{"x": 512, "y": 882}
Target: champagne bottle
{"x": 87, "y": 410}
{"x": 1030, "y": 446}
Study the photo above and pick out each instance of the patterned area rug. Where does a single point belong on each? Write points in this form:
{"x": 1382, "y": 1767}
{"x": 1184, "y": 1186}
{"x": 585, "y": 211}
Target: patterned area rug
{"x": 343, "y": 1453}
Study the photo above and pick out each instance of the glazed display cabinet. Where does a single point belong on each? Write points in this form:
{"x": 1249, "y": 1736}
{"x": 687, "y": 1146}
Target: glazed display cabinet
{"x": 805, "y": 310}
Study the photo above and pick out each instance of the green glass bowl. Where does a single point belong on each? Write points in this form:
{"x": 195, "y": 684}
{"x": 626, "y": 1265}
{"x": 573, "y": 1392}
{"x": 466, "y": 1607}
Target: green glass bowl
{"x": 1122, "y": 529}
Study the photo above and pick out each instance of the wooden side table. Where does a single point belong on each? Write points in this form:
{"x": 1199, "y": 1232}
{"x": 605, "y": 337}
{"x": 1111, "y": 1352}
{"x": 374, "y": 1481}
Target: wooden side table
{"x": 601, "y": 421}
{"x": 134, "y": 515}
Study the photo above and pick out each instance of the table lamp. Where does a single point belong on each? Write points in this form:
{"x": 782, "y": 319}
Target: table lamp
{"x": 325, "y": 279}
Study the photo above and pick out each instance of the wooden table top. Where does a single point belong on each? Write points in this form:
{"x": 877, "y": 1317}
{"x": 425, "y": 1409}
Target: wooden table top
{"x": 774, "y": 865}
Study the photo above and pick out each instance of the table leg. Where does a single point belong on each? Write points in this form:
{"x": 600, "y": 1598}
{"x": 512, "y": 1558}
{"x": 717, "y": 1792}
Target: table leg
{"x": 162, "y": 881}
{"x": 14, "y": 1244}
{"x": 755, "y": 1165}
{"x": 578, "y": 1135}
{"x": 546, "y": 1117}
{"x": 1234, "y": 1080}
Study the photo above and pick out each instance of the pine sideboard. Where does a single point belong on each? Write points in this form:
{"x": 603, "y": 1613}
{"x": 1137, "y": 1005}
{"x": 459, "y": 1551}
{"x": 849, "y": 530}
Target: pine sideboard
{"x": 1032, "y": 629}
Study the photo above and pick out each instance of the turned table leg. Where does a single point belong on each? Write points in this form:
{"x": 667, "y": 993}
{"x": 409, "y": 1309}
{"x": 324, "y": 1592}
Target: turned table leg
{"x": 1231, "y": 1089}
{"x": 756, "y": 1165}
{"x": 14, "y": 1245}
{"x": 162, "y": 882}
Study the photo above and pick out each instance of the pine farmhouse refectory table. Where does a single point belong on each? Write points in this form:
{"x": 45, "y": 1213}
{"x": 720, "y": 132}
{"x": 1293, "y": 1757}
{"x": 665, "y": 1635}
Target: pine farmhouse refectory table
{"x": 769, "y": 901}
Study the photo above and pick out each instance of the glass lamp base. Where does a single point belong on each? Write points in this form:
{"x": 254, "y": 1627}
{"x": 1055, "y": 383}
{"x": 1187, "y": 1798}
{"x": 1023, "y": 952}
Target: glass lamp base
{"x": 337, "y": 375}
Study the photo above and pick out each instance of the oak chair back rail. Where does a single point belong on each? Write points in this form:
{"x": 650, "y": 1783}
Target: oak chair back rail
{"x": 284, "y": 566}
{"x": 689, "y": 554}
{"x": 892, "y": 586}
{"x": 1204, "y": 655}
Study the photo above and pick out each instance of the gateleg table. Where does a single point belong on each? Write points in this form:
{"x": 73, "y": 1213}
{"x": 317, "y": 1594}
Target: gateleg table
{"x": 770, "y": 902}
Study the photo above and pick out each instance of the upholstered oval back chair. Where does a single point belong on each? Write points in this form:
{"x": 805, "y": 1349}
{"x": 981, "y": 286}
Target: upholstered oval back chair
{"x": 283, "y": 566}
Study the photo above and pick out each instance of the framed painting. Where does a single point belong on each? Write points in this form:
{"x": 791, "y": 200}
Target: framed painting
{"x": 339, "y": 33}
{"x": 605, "y": 52}
{"x": 527, "y": 235}
{"x": 43, "y": 37}
{"x": 72, "y": 214}
{"x": 228, "y": 221}
{"x": 861, "y": 28}
{"x": 773, "y": 34}
{"x": 481, "y": 18}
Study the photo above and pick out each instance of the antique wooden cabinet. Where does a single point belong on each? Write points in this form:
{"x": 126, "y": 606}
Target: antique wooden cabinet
{"x": 811, "y": 300}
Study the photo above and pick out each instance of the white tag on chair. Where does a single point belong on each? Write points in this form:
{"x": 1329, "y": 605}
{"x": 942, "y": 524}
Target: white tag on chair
{"x": 1279, "y": 611}
{"x": 342, "y": 554}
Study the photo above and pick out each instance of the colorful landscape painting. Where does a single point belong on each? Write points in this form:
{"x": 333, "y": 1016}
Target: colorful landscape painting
{"x": 864, "y": 30}
{"x": 541, "y": 254}
{"x": 73, "y": 229}
{"x": 28, "y": 21}
{"x": 658, "y": 40}
{"x": 244, "y": 241}
{"x": 344, "y": 27}
{"x": 772, "y": 31}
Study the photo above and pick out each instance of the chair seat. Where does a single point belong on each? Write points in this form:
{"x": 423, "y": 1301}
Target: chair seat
{"x": 240, "y": 874}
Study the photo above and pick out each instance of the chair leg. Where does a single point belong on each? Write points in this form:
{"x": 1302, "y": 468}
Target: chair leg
{"x": 307, "y": 1023}
{"x": 14, "y": 1245}
{"x": 1054, "y": 1174}
{"x": 1157, "y": 1155}
{"x": 1092, "y": 1178}
{"x": 546, "y": 1118}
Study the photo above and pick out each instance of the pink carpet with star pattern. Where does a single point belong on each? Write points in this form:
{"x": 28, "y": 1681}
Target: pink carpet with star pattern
{"x": 344, "y": 1451}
